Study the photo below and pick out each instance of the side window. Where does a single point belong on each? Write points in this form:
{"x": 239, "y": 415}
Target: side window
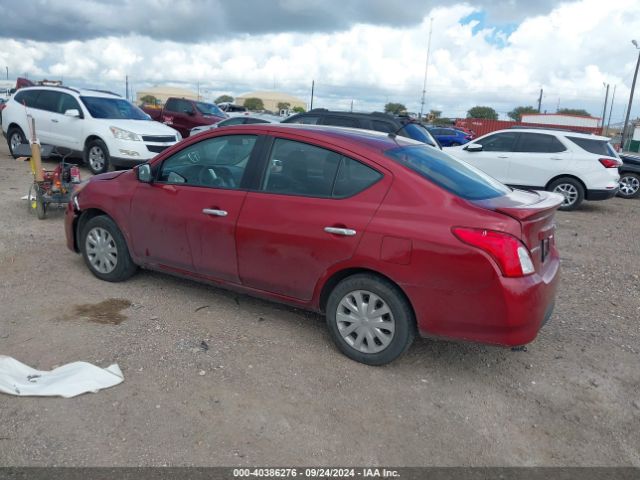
{"x": 539, "y": 143}
{"x": 297, "y": 168}
{"x": 499, "y": 142}
{"x": 67, "y": 102}
{"x": 171, "y": 105}
{"x": 255, "y": 120}
{"x": 353, "y": 177}
{"x": 385, "y": 127}
{"x": 340, "y": 121}
{"x": 183, "y": 106}
{"x": 47, "y": 100}
{"x": 233, "y": 121}
{"x": 216, "y": 162}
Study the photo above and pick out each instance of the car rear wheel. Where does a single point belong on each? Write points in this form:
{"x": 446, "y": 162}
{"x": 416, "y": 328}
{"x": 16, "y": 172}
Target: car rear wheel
{"x": 369, "y": 319}
{"x": 105, "y": 251}
{"x": 571, "y": 189}
{"x": 629, "y": 185}
{"x": 15, "y": 137}
{"x": 96, "y": 156}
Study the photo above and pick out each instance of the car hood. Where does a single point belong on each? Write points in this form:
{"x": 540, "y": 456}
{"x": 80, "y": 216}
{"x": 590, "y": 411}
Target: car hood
{"x": 141, "y": 127}
{"x": 107, "y": 175}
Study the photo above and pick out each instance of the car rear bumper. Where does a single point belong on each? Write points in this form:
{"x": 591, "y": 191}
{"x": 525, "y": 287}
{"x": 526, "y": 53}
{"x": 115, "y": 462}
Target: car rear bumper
{"x": 600, "y": 194}
{"x": 505, "y": 311}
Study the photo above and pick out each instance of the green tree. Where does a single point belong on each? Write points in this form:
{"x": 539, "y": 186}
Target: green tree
{"x": 298, "y": 110}
{"x": 254, "y": 103}
{"x": 574, "y": 111}
{"x": 283, "y": 105}
{"x": 394, "y": 108}
{"x": 516, "y": 113}
{"x": 224, "y": 99}
{"x": 149, "y": 100}
{"x": 482, "y": 112}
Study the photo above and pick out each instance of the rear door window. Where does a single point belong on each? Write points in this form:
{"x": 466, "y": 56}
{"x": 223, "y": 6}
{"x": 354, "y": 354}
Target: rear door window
{"x": 499, "y": 142}
{"x": 27, "y": 97}
{"x": 539, "y": 143}
{"x": 67, "y": 102}
{"x": 599, "y": 147}
{"x": 449, "y": 173}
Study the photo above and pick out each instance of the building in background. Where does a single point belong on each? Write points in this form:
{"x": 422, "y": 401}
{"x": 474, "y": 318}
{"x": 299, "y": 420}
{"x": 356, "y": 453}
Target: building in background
{"x": 270, "y": 100}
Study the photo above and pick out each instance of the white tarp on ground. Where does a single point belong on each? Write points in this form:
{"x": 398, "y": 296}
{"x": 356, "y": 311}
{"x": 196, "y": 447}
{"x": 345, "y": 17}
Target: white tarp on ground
{"x": 66, "y": 381}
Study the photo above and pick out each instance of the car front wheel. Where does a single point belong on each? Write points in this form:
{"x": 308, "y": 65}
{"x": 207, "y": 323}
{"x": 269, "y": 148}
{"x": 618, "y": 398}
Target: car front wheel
{"x": 105, "y": 250}
{"x": 14, "y": 138}
{"x": 370, "y": 320}
{"x": 96, "y": 156}
{"x": 571, "y": 189}
{"x": 629, "y": 185}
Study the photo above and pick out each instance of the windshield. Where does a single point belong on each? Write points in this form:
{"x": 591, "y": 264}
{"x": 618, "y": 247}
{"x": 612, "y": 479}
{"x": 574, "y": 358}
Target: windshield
{"x": 117, "y": 108}
{"x": 209, "y": 109}
{"x": 419, "y": 133}
{"x": 453, "y": 175}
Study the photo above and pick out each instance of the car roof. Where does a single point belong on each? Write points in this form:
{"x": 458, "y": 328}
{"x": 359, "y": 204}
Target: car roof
{"x": 80, "y": 91}
{"x": 554, "y": 131}
{"x": 341, "y": 136}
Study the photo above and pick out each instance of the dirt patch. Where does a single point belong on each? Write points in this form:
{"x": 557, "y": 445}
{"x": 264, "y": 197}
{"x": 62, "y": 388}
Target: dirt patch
{"x": 108, "y": 311}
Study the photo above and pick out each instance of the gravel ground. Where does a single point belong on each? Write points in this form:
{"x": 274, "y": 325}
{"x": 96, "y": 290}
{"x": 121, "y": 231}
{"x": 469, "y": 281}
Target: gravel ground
{"x": 268, "y": 388}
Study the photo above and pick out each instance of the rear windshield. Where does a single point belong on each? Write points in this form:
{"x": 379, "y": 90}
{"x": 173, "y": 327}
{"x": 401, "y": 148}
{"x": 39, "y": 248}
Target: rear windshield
{"x": 209, "y": 109}
{"x": 599, "y": 147}
{"x": 419, "y": 133}
{"x": 117, "y": 108}
{"x": 453, "y": 175}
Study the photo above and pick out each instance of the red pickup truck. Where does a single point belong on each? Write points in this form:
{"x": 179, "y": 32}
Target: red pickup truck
{"x": 184, "y": 114}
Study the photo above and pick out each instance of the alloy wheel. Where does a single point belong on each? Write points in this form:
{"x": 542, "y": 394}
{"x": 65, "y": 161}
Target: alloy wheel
{"x": 101, "y": 249}
{"x": 16, "y": 140}
{"x": 96, "y": 158}
{"x": 365, "y": 321}
{"x": 629, "y": 185}
{"x": 570, "y": 193}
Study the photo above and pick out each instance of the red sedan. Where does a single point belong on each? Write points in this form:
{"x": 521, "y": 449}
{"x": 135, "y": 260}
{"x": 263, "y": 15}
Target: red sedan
{"x": 386, "y": 236}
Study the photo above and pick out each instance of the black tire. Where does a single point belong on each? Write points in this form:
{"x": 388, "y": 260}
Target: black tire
{"x": 629, "y": 185}
{"x": 115, "y": 271}
{"x": 96, "y": 156}
{"x": 455, "y": 144}
{"x": 41, "y": 206}
{"x": 572, "y": 189}
{"x": 18, "y": 134}
{"x": 401, "y": 314}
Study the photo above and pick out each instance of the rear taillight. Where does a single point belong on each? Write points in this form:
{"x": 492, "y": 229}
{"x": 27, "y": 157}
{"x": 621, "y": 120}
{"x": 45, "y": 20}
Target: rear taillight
{"x": 610, "y": 162}
{"x": 511, "y": 255}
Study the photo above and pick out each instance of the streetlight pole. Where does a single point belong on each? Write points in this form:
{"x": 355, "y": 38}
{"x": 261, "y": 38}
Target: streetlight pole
{"x": 604, "y": 110}
{"x": 7, "y": 72}
{"x": 633, "y": 87}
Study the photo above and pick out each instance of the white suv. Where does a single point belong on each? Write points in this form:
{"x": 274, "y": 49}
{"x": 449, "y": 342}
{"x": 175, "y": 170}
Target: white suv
{"x": 579, "y": 166}
{"x": 101, "y": 127}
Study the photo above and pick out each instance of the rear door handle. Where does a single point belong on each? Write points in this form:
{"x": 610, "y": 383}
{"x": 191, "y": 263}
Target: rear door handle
{"x": 556, "y": 158}
{"x": 215, "y": 212}
{"x": 54, "y": 120}
{"x": 503, "y": 156}
{"x": 347, "y": 232}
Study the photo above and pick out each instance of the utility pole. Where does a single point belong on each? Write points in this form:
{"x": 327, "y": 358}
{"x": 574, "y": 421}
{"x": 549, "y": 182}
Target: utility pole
{"x": 604, "y": 110}
{"x": 426, "y": 69}
{"x": 633, "y": 87}
{"x": 7, "y": 72}
{"x": 313, "y": 83}
{"x": 613, "y": 97}
{"x": 352, "y": 104}
{"x": 540, "y": 101}
{"x": 126, "y": 87}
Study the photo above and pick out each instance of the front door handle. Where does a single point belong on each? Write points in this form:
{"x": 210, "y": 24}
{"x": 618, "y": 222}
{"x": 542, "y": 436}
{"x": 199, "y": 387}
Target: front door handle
{"x": 503, "y": 156}
{"x": 347, "y": 232}
{"x": 215, "y": 212}
{"x": 54, "y": 120}
{"x": 556, "y": 158}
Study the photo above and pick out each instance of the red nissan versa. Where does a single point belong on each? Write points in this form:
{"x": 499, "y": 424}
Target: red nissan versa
{"x": 385, "y": 235}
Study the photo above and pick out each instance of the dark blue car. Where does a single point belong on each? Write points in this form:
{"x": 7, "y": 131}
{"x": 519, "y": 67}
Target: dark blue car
{"x": 449, "y": 137}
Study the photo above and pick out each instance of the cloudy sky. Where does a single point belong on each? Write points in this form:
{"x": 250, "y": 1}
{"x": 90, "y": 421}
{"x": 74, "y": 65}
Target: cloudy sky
{"x": 497, "y": 53}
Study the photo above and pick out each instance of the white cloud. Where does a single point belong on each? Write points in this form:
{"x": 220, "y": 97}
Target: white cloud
{"x": 568, "y": 52}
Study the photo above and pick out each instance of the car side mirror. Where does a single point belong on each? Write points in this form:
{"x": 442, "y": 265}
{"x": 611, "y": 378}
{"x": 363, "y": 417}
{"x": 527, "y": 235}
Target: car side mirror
{"x": 72, "y": 112}
{"x": 144, "y": 173}
{"x": 473, "y": 147}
